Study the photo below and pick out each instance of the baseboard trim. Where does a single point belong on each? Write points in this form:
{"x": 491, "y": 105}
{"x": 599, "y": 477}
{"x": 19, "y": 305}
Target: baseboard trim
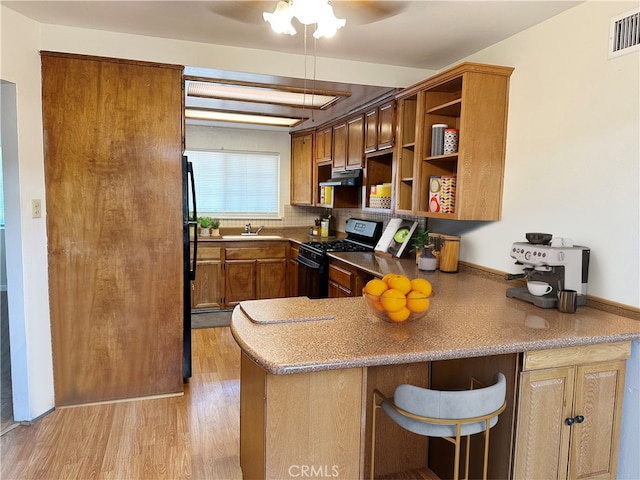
{"x": 122, "y": 400}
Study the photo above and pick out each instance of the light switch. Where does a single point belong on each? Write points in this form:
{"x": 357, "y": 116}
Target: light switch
{"x": 36, "y": 208}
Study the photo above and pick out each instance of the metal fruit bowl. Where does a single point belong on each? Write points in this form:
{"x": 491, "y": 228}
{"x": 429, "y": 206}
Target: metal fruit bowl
{"x": 375, "y": 307}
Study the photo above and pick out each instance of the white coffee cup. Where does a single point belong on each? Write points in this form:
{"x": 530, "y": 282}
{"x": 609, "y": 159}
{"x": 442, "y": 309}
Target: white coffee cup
{"x": 538, "y": 288}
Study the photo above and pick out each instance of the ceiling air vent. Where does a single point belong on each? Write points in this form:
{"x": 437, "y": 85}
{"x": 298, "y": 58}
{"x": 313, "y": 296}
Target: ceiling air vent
{"x": 625, "y": 34}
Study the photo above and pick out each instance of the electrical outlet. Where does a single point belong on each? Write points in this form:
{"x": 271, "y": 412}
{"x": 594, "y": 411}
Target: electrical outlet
{"x": 36, "y": 208}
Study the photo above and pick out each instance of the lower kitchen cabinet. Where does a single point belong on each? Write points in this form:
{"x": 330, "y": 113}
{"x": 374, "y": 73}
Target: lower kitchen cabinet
{"x": 346, "y": 280}
{"x": 292, "y": 272}
{"x": 570, "y": 412}
{"x": 255, "y": 272}
{"x": 207, "y": 288}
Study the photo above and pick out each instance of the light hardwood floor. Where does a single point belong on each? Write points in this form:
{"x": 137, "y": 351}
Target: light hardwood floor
{"x": 195, "y": 436}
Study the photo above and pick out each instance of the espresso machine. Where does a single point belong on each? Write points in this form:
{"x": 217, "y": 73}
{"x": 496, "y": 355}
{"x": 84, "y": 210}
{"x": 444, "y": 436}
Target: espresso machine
{"x": 558, "y": 263}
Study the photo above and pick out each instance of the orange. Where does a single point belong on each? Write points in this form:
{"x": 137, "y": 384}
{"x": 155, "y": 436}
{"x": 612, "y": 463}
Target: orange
{"x": 375, "y": 287}
{"x": 393, "y": 300}
{"x": 422, "y": 285}
{"x": 386, "y": 278}
{"x": 399, "y": 316}
{"x": 417, "y": 301}
{"x": 375, "y": 303}
{"x": 400, "y": 282}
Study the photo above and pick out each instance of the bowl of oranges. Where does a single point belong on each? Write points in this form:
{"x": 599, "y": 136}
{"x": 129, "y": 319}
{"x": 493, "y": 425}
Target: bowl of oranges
{"x": 397, "y": 299}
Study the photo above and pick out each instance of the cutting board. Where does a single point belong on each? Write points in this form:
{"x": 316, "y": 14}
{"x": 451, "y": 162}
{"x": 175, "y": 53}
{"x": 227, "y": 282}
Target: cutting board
{"x": 283, "y": 310}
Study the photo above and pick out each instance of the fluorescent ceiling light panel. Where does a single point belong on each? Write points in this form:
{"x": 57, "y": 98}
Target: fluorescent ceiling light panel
{"x": 260, "y": 95}
{"x": 235, "y": 117}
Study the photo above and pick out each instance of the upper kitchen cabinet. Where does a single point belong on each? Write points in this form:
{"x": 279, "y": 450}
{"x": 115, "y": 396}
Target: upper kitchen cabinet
{"x": 302, "y": 168}
{"x": 348, "y": 143}
{"x": 405, "y": 158}
{"x": 339, "y": 150}
{"x": 378, "y": 142}
{"x": 460, "y": 180}
{"x": 355, "y": 142}
{"x": 323, "y": 145}
{"x": 379, "y": 127}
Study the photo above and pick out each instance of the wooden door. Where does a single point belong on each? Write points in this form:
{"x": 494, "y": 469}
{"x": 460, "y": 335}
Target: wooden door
{"x": 355, "y": 142}
{"x": 386, "y": 125}
{"x": 371, "y": 130}
{"x": 542, "y": 443}
{"x": 598, "y": 400}
{"x": 339, "y": 146}
{"x": 207, "y": 287}
{"x": 271, "y": 278}
{"x": 113, "y": 178}
{"x": 302, "y": 169}
{"x": 323, "y": 145}
{"x": 240, "y": 281}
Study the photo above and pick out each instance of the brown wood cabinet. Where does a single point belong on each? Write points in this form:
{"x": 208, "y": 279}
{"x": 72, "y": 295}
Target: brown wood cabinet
{"x": 570, "y": 411}
{"x": 379, "y": 127}
{"x": 340, "y": 146}
{"x": 207, "y": 290}
{"x": 283, "y": 423}
{"x": 113, "y": 161}
{"x": 355, "y": 142}
{"x": 473, "y": 99}
{"x": 323, "y": 144}
{"x": 302, "y": 169}
{"x": 348, "y": 143}
{"x": 346, "y": 280}
{"x": 292, "y": 270}
{"x": 255, "y": 271}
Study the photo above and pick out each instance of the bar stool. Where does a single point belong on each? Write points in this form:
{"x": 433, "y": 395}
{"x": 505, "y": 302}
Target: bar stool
{"x": 445, "y": 414}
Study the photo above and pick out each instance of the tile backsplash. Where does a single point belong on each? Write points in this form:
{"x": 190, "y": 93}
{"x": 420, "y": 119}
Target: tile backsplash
{"x": 295, "y": 216}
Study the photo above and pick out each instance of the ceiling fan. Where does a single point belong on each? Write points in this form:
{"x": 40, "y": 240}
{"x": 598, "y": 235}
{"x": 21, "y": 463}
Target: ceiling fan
{"x": 357, "y": 12}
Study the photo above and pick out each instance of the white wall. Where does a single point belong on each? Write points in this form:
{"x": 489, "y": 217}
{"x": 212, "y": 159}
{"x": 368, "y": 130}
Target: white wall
{"x": 572, "y": 165}
{"x": 572, "y": 159}
{"x": 30, "y": 331}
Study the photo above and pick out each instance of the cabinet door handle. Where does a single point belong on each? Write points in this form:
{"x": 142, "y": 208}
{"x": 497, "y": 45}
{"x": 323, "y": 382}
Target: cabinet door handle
{"x": 578, "y": 419}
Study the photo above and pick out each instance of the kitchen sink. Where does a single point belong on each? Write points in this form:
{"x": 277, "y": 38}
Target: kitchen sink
{"x": 251, "y": 237}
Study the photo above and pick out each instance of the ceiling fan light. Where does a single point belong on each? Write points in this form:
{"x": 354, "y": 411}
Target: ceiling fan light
{"x": 280, "y": 19}
{"x": 328, "y": 24}
{"x": 308, "y": 11}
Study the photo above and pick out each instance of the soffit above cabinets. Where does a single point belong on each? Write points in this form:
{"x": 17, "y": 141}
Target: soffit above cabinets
{"x": 306, "y": 102}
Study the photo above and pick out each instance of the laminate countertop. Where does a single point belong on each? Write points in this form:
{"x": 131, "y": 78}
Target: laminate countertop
{"x": 470, "y": 316}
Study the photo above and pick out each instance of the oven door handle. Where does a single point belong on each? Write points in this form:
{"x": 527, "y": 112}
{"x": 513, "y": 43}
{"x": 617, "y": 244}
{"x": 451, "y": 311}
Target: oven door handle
{"x": 308, "y": 262}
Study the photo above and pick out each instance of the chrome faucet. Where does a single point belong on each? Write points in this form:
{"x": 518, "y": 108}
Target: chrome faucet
{"x": 247, "y": 230}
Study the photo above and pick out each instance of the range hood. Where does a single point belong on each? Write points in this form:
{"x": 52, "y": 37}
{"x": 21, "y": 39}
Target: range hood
{"x": 346, "y": 178}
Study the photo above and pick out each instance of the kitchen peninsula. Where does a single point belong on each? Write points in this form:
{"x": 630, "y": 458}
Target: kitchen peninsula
{"x": 308, "y": 368}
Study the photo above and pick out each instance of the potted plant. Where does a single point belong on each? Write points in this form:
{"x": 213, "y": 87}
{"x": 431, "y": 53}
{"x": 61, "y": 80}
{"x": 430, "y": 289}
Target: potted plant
{"x": 423, "y": 247}
{"x": 204, "y": 224}
{"x": 215, "y": 227}
{"x": 419, "y": 242}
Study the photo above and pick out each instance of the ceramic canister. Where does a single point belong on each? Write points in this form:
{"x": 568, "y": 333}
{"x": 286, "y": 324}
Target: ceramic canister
{"x": 450, "y": 140}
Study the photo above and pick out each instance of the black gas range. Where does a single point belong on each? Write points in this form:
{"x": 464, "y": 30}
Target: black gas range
{"x": 313, "y": 263}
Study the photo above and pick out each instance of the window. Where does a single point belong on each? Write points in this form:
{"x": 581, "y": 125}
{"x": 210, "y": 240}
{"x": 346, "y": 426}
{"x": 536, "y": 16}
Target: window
{"x": 233, "y": 184}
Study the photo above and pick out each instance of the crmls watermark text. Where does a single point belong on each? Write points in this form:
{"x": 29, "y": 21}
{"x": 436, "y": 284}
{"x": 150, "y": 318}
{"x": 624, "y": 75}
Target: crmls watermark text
{"x": 314, "y": 471}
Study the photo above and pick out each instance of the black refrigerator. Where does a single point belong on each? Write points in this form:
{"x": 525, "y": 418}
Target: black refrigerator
{"x": 189, "y": 257}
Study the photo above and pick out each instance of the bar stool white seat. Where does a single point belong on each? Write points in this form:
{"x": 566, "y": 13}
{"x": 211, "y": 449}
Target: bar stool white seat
{"x": 445, "y": 414}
